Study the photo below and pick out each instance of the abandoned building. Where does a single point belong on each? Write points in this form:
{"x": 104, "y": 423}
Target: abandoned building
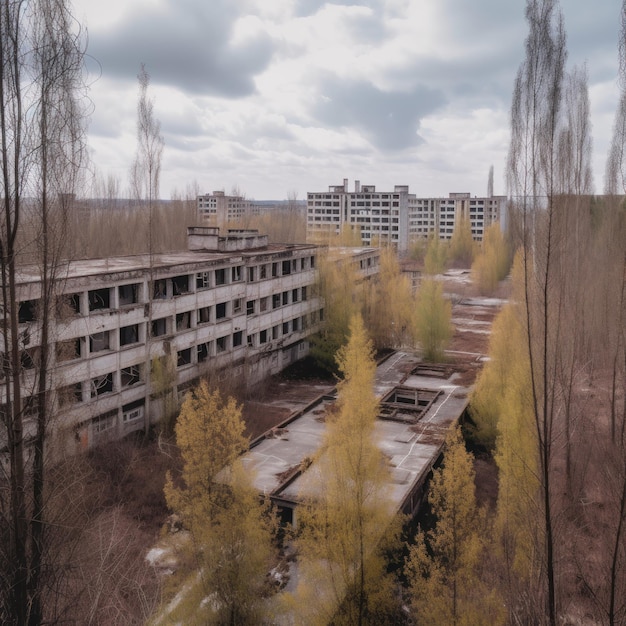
{"x": 234, "y": 305}
{"x": 418, "y": 404}
{"x": 397, "y": 217}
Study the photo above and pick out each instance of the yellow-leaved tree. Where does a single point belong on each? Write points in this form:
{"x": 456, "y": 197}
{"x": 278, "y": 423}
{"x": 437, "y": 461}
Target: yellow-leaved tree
{"x": 433, "y": 314}
{"x": 232, "y": 530}
{"x": 462, "y": 245}
{"x": 491, "y": 265}
{"x": 436, "y": 256}
{"x": 502, "y": 408}
{"x": 443, "y": 567}
{"x": 389, "y": 304}
{"x": 342, "y": 294}
{"x": 343, "y": 523}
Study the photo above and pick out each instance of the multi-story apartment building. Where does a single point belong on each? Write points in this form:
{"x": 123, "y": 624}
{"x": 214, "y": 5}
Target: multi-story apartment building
{"x": 396, "y": 217}
{"x": 219, "y": 209}
{"x": 235, "y": 305}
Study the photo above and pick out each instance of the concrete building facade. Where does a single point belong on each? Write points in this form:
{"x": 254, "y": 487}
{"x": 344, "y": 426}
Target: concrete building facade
{"x": 219, "y": 208}
{"x": 234, "y": 305}
{"x": 396, "y": 217}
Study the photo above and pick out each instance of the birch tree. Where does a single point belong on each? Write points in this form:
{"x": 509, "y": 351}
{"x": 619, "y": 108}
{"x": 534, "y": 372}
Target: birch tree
{"x": 231, "y": 528}
{"x": 343, "y": 524}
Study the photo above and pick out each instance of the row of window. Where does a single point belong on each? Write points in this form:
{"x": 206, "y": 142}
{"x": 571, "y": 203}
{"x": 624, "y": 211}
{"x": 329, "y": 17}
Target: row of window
{"x": 125, "y": 295}
{"x": 135, "y": 374}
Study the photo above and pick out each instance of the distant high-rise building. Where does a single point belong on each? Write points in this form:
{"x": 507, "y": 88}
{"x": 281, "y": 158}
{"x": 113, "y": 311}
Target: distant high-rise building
{"x": 219, "y": 209}
{"x": 396, "y": 217}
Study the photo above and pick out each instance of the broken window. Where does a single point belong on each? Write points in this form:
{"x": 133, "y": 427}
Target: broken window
{"x": 183, "y": 321}
{"x": 263, "y": 304}
{"x": 221, "y": 344}
{"x": 251, "y": 274}
{"x": 237, "y": 338}
{"x": 237, "y": 305}
{"x": 220, "y": 277}
{"x": 274, "y": 332}
{"x": 99, "y": 299}
{"x": 304, "y": 294}
{"x": 262, "y": 272}
{"x": 203, "y": 280}
{"x": 263, "y": 336}
{"x": 180, "y": 285}
{"x": 285, "y": 328}
{"x": 286, "y": 268}
{"x": 275, "y": 273}
{"x": 27, "y": 311}
{"x": 183, "y": 357}
{"x": 204, "y": 315}
{"x": 159, "y": 289}
{"x": 129, "y": 334}
{"x": 236, "y": 273}
{"x": 101, "y": 385}
{"x": 130, "y": 375}
{"x": 250, "y": 341}
{"x": 204, "y": 351}
{"x": 159, "y": 327}
{"x": 128, "y": 294}
{"x": 294, "y": 295}
{"x": 99, "y": 342}
{"x": 285, "y": 298}
{"x": 295, "y": 324}
{"x": 275, "y": 300}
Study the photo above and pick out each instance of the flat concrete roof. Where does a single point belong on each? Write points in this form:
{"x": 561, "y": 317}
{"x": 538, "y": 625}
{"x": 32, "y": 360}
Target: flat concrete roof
{"x": 141, "y": 262}
{"x": 276, "y": 459}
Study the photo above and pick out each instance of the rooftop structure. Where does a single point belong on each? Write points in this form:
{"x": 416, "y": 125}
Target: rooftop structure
{"x": 418, "y": 405}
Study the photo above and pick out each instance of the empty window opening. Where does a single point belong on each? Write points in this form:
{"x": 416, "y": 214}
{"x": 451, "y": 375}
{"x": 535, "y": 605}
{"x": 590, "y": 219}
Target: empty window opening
{"x": 28, "y": 311}
{"x": 128, "y": 294}
{"x": 262, "y": 272}
{"x": 204, "y": 351}
{"x": 130, "y": 375}
{"x": 285, "y": 328}
{"x": 286, "y": 268}
{"x": 263, "y": 336}
{"x": 221, "y": 344}
{"x": 285, "y": 298}
{"x": 101, "y": 385}
{"x": 294, "y": 295}
{"x": 183, "y": 357}
{"x": 237, "y": 306}
{"x": 250, "y": 341}
{"x": 99, "y": 299}
{"x": 251, "y": 272}
{"x": 183, "y": 321}
{"x": 275, "y": 273}
{"x": 237, "y": 338}
{"x": 99, "y": 342}
{"x": 236, "y": 273}
{"x": 159, "y": 327}
{"x": 204, "y": 315}
{"x": 129, "y": 334}
{"x": 30, "y": 358}
{"x": 180, "y": 285}
{"x": 263, "y": 304}
{"x": 220, "y": 277}
{"x": 275, "y": 300}
{"x": 274, "y": 332}
{"x": 159, "y": 289}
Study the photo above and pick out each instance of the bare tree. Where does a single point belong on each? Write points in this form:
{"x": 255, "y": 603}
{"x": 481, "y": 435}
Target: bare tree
{"x": 41, "y": 51}
{"x": 532, "y": 179}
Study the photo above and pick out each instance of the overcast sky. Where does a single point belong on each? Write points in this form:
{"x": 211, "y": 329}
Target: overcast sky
{"x": 280, "y": 96}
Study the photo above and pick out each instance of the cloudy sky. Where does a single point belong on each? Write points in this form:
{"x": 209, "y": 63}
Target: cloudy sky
{"x": 282, "y": 96}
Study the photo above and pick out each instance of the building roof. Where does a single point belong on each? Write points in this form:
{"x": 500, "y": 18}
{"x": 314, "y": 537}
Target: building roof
{"x": 280, "y": 460}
